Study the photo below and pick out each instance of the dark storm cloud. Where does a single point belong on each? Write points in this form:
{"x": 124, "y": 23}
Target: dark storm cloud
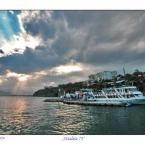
{"x": 100, "y": 39}
{"x": 93, "y": 37}
{"x": 63, "y": 44}
{"x": 100, "y": 28}
{"x": 109, "y": 27}
{"x": 113, "y": 58}
{"x": 42, "y": 25}
{"x": 30, "y": 61}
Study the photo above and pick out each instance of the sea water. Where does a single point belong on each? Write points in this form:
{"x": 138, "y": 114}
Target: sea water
{"x": 32, "y": 116}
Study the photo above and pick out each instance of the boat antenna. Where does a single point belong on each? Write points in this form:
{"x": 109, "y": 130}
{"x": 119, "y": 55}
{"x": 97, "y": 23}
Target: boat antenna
{"x": 124, "y": 71}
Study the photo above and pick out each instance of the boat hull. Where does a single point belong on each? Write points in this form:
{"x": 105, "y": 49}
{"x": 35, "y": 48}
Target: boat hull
{"x": 98, "y": 102}
{"x": 138, "y": 101}
{"x": 120, "y": 101}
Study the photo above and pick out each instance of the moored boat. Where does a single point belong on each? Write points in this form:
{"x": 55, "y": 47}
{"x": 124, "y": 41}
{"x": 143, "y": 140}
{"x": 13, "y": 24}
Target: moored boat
{"x": 122, "y": 96}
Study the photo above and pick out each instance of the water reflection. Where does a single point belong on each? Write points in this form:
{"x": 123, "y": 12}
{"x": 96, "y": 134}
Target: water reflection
{"x": 70, "y": 121}
{"x": 12, "y": 116}
{"x": 18, "y": 111}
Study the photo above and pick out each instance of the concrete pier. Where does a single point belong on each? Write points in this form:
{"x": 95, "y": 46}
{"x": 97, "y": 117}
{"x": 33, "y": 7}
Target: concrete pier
{"x": 53, "y": 99}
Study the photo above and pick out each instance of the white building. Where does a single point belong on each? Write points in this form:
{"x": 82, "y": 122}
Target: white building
{"x": 105, "y": 75}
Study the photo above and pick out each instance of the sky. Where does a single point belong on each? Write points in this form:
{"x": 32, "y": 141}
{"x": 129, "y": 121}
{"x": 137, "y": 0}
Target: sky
{"x": 48, "y": 48}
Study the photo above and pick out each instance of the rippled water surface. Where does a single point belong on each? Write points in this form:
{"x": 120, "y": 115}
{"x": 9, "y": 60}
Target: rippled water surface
{"x": 30, "y": 115}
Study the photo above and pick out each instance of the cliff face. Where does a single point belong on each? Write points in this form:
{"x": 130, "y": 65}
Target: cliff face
{"x": 47, "y": 92}
{"x": 137, "y": 78}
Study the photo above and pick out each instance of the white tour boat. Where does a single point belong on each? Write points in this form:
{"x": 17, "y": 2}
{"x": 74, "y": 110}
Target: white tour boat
{"x": 123, "y": 95}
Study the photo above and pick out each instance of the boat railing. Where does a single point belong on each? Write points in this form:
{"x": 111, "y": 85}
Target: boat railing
{"x": 118, "y": 93}
{"x": 128, "y": 94}
{"x": 104, "y": 94}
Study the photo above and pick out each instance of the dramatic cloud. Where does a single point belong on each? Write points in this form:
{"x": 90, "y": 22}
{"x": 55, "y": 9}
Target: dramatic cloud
{"x": 13, "y": 37}
{"x": 66, "y": 46}
{"x": 92, "y": 36}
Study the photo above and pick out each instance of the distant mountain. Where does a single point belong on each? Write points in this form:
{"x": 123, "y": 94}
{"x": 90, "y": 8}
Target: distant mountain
{"x": 3, "y": 93}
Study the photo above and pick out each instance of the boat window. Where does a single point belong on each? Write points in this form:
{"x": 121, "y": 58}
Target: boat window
{"x": 133, "y": 89}
{"x": 118, "y": 90}
{"x": 126, "y": 90}
{"x": 137, "y": 95}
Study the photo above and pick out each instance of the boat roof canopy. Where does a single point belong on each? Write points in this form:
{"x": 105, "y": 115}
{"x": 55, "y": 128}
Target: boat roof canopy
{"x": 122, "y": 87}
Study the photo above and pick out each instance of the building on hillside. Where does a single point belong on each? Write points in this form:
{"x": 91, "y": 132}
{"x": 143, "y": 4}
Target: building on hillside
{"x": 105, "y": 75}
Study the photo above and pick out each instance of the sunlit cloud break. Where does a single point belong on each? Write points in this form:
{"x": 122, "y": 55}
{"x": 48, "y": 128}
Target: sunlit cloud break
{"x": 44, "y": 48}
{"x": 17, "y": 42}
{"x": 20, "y": 77}
{"x": 68, "y": 68}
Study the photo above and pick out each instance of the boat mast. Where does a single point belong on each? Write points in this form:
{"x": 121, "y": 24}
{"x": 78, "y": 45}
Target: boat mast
{"x": 124, "y": 71}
